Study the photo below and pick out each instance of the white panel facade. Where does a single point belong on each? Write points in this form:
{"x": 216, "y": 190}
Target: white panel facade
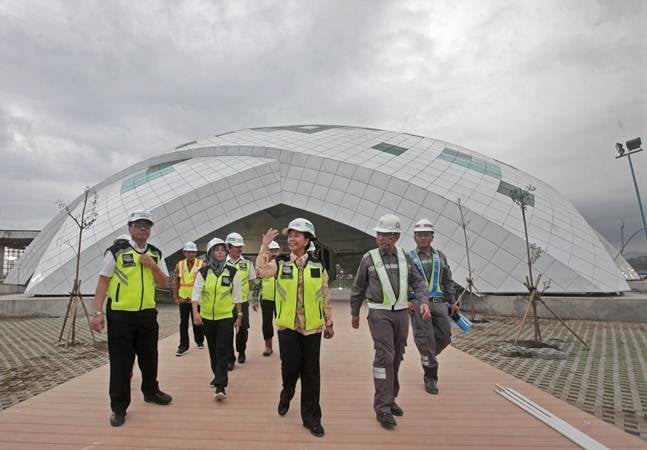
{"x": 352, "y": 175}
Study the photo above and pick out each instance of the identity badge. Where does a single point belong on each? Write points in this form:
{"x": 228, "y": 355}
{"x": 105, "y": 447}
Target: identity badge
{"x": 127, "y": 260}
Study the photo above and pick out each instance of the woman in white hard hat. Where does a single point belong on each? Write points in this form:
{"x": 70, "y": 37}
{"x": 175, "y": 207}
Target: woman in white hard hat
{"x": 217, "y": 289}
{"x": 303, "y": 313}
{"x": 267, "y": 296}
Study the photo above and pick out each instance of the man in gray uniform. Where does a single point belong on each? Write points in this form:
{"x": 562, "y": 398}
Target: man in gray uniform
{"x": 431, "y": 337}
{"x": 384, "y": 278}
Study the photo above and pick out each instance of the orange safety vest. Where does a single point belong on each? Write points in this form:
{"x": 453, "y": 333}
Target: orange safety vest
{"x": 187, "y": 278}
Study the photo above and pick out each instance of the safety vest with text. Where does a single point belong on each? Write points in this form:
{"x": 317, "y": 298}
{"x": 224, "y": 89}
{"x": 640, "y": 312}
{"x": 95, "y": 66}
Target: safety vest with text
{"x": 287, "y": 283}
{"x": 132, "y": 285}
{"x": 243, "y": 267}
{"x": 217, "y": 293}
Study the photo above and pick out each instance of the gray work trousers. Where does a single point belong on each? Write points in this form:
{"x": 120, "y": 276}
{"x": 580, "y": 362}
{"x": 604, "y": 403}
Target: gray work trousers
{"x": 389, "y": 330}
{"x": 431, "y": 336}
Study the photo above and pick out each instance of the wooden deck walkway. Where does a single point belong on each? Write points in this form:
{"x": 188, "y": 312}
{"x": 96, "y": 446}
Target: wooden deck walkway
{"x": 466, "y": 414}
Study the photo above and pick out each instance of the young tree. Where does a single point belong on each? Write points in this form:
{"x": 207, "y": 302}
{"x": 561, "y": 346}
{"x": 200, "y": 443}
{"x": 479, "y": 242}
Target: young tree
{"x": 83, "y": 221}
{"x": 469, "y": 286}
{"x": 522, "y": 197}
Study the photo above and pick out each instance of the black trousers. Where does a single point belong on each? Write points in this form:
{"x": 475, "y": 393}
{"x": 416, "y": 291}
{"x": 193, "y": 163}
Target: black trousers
{"x": 131, "y": 333}
{"x": 241, "y": 334}
{"x": 219, "y": 334}
{"x": 268, "y": 309}
{"x": 186, "y": 314}
{"x": 300, "y": 358}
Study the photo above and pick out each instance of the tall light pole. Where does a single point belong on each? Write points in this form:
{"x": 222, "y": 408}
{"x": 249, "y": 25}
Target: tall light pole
{"x": 633, "y": 146}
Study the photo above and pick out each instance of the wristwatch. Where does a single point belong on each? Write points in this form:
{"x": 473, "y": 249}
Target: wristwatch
{"x": 98, "y": 313}
{"x": 240, "y": 314}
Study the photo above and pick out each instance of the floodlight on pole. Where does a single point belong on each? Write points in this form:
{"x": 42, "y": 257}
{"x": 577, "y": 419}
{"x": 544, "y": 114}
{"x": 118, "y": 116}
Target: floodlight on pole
{"x": 633, "y": 146}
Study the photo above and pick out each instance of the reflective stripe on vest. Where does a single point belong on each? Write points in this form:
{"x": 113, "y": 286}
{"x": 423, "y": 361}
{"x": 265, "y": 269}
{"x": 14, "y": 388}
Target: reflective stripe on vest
{"x": 389, "y": 299}
{"x": 433, "y": 282}
{"x": 132, "y": 286}
{"x": 287, "y": 284}
{"x": 217, "y": 299}
{"x": 187, "y": 278}
{"x": 243, "y": 266}
{"x": 268, "y": 288}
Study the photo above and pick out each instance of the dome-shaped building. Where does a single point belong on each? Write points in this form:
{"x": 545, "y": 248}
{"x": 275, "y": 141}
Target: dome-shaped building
{"x": 342, "y": 178}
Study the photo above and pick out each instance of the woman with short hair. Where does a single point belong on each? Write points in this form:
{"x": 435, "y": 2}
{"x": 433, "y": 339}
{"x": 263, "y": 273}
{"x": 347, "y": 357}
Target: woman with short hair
{"x": 303, "y": 314}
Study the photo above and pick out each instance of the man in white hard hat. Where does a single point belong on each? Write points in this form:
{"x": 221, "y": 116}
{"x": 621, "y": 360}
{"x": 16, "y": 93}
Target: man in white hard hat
{"x": 384, "y": 277}
{"x": 247, "y": 274}
{"x": 131, "y": 270}
{"x": 183, "y": 280}
{"x": 267, "y": 295}
{"x": 431, "y": 337}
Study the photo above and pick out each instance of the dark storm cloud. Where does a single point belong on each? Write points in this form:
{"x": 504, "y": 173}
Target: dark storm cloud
{"x": 88, "y": 88}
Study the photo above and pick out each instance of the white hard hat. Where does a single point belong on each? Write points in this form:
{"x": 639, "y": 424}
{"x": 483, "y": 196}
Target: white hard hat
{"x": 122, "y": 237}
{"x": 235, "y": 239}
{"x": 388, "y": 223}
{"x": 300, "y": 224}
{"x": 213, "y": 242}
{"x": 140, "y": 215}
{"x": 274, "y": 246}
{"x": 423, "y": 225}
{"x": 311, "y": 247}
{"x": 190, "y": 247}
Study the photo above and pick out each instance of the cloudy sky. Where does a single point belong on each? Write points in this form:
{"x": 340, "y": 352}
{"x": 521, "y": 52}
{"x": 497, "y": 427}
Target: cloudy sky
{"x": 89, "y": 87}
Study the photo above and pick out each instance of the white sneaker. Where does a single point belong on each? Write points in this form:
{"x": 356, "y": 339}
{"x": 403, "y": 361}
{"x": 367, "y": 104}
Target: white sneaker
{"x": 220, "y": 395}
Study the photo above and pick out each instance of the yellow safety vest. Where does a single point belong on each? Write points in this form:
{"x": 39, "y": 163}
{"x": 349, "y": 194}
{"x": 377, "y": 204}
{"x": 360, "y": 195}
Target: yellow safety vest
{"x": 287, "y": 281}
{"x": 268, "y": 288}
{"x": 242, "y": 266}
{"x": 187, "y": 277}
{"x": 132, "y": 286}
{"x": 217, "y": 294}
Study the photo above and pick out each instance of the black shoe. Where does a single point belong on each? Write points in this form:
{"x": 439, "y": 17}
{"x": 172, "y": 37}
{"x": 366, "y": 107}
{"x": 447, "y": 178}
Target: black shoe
{"x": 283, "y": 407}
{"x": 181, "y": 351}
{"x": 213, "y": 382}
{"x": 386, "y": 420}
{"x": 159, "y": 398}
{"x": 430, "y": 385}
{"x": 284, "y": 404}
{"x": 200, "y": 345}
{"x": 396, "y": 410}
{"x": 230, "y": 366}
{"x": 267, "y": 352}
{"x": 117, "y": 418}
{"x": 315, "y": 429}
{"x": 241, "y": 358}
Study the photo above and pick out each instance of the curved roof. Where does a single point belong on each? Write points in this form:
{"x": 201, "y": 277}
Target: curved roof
{"x": 350, "y": 174}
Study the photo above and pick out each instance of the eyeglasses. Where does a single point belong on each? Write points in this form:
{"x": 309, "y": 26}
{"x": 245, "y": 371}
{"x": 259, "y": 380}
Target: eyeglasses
{"x": 142, "y": 224}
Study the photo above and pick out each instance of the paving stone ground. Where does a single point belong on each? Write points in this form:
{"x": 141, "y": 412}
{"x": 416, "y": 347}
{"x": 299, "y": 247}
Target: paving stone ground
{"x": 32, "y": 360}
{"x": 608, "y": 380}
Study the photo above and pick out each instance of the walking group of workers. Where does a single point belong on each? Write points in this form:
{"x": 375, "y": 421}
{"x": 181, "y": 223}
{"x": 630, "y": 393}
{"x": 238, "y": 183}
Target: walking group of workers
{"x": 292, "y": 291}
